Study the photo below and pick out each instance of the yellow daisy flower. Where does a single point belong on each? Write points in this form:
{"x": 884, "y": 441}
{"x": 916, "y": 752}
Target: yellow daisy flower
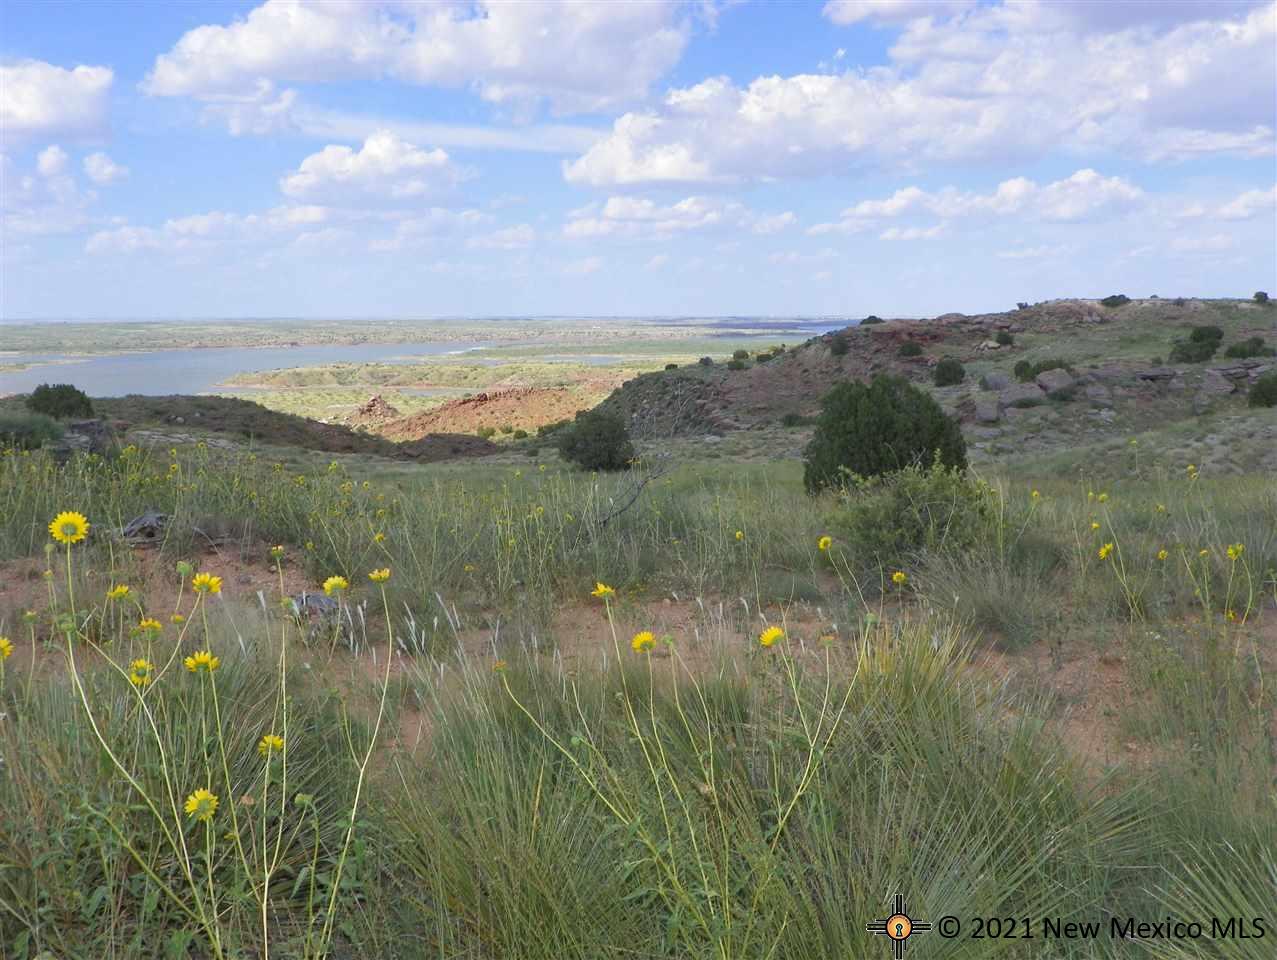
{"x": 1235, "y": 551}
{"x": 177, "y": 618}
{"x": 740, "y": 534}
{"x": 601, "y": 590}
{"x": 1105, "y": 551}
{"x": 380, "y": 576}
{"x": 899, "y": 578}
{"x": 270, "y": 743}
{"x": 69, "y": 527}
{"x": 643, "y": 642}
{"x": 1035, "y": 495}
{"x": 770, "y": 636}
{"x": 206, "y": 583}
{"x": 1095, "y": 525}
{"x": 1103, "y": 498}
{"x": 140, "y": 672}
{"x": 6, "y": 648}
{"x": 1162, "y": 554}
{"x": 378, "y": 537}
{"x": 118, "y": 592}
{"x": 148, "y": 625}
{"x": 201, "y": 804}
{"x": 824, "y": 543}
{"x": 335, "y": 584}
{"x": 202, "y": 661}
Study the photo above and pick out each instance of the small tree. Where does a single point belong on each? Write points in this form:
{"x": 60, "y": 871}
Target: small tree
{"x": 949, "y": 372}
{"x": 596, "y": 440}
{"x": 740, "y": 354}
{"x": 871, "y": 319}
{"x": 1264, "y": 392}
{"x": 60, "y": 400}
{"x": 868, "y": 430}
{"x": 838, "y": 345}
{"x": 1206, "y": 334}
{"x": 910, "y": 348}
{"x": 1261, "y": 296}
{"x": 1003, "y": 338}
{"x": 1116, "y": 300}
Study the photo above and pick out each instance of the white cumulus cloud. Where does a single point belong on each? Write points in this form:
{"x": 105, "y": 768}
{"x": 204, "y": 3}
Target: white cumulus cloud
{"x": 39, "y": 99}
{"x": 102, "y": 170}
{"x": 384, "y": 166}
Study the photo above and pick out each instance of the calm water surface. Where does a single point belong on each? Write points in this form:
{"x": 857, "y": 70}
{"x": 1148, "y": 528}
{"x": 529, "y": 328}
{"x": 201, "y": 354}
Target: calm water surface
{"x": 165, "y": 372}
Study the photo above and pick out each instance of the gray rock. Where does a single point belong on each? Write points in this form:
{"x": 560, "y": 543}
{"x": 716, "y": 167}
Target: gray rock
{"x": 988, "y": 409}
{"x": 1215, "y": 384}
{"x": 1158, "y": 373}
{"x": 1021, "y": 394}
{"x": 995, "y": 381}
{"x": 1052, "y": 380}
{"x": 1099, "y": 394}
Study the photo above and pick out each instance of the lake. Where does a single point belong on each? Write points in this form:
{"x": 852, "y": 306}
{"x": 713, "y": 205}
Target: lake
{"x": 165, "y": 372}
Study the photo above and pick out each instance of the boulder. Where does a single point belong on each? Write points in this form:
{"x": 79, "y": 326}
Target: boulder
{"x": 1021, "y": 395}
{"x": 1052, "y": 380}
{"x": 1099, "y": 394}
{"x": 987, "y": 408}
{"x": 1157, "y": 373}
{"x": 995, "y": 381}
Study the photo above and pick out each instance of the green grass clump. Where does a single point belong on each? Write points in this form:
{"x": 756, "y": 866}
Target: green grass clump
{"x": 28, "y": 431}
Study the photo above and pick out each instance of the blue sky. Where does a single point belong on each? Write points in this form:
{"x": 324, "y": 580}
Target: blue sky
{"x": 883, "y": 156}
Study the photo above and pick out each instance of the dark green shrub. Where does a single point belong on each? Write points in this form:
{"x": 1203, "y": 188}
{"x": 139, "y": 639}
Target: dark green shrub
{"x": 871, "y": 319}
{"x": 1116, "y": 300}
{"x": 740, "y": 354}
{"x": 1022, "y": 305}
{"x": 548, "y": 428}
{"x": 596, "y": 440}
{"x": 706, "y": 361}
{"x": 1193, "y": 351}
{"x": 838, "y": 345}
{"x": 735, "y": 364}
{"x": 1004, "y": 338}
{"x": 1264, "y": 392}
{"x": 671, "y": 366}
{"x": 60, "y": 400}
{"x": 487, "y": 432}
{"x": 796, "y": 420}
{"x": 1023, "y": 371}
{"x": 885, "y": 520}
{"x": 507, "y": 428}
{"x": 520, "y": 434}
{"x": 949, "y": 372}
{"x": 1261, "y": 296}
{"x": 1180, "y": 302}
{"x": 1250, "y": 347}
{"x": 910, "y": 348}
{"x": 27, "y": 431}
{"x": 1156, "y": 361}
{"x": 887, "y": 425}
{"x": 765, "y": 357}
{"x": 1206, "y": 334}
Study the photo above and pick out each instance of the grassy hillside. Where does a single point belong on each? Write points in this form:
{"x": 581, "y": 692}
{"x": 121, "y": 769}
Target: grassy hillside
{"x": 656, "y": 714}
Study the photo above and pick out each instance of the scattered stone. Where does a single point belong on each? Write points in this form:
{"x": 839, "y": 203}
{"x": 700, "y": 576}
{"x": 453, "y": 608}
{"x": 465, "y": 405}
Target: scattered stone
{"x": 146, "y": 530}
{"x": 1099, "y": 394}
{"x": 995, "y": 381}
{"x": 1158, "y": 373}
{"x": 1052, "y": 380}
{"x": 987, "y": 408}
{"x": 1020, "y": 394}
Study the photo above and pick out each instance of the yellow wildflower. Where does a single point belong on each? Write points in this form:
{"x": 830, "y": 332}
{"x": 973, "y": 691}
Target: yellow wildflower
{"x": 177, "y": 618}
{"x": 1095, "y": 525}
{"x": 140, "y": 672}
{"x": 202, "y": 661}
{"x": 206, "y": 583}
{"x": 1230, "y": 614}
{"x": 335, "y": 584}
{"x": 1162, "y": 554}
{"x": 1203, "y": 552}
{"x": 602, "y": 590}
{"x": 824, "y": 543}
{"x": 1105, "y": 551}
{"x": 1161, "y": 508}
{"x": 118, "y": 592}
{"x": 1035, "y": 495}
{"x": 770, "y": 636}
{"x": 1235, "y": 551}
{"x": 740, "y": 534}
{"x": 899, "y": 577}
{"x": 6, "y": 648}
{"x": 380, "y": 576}
{"x": 277, "y": 551}
{"x": 149, "y": 626}
{"x": 69, "y": 527}
{"x": 270, "y": 743}
{"x": 1103, "y": 498}
{"x": 643, "y": 642}
{"x": 468, "y": 568}
{"x": 499, "y": 666}
{"x": 201, "y": 804}
{"x": 378, "y": 537}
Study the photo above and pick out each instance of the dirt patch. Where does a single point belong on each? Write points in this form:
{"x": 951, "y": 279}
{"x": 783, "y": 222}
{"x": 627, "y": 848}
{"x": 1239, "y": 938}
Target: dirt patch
{"x": 516, "y": 408}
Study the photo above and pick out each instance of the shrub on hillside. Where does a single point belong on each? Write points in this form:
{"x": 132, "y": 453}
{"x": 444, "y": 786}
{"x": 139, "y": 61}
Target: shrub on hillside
{"x": 1180, "y": 302}
{"x": 1264, "y": 392}
{"x": 27, "y": 431}
{"x": 871, "y": 319}
{"x": 910, "y": 348}
{"x": 740, "y": 354}
{"x": 596, "y": 440}
{"x": 1116, "y": 300}
{"x": 1250, "y": 347}
{"x": 765, "y": 357}
{"x": 1025, "y": 371}
{"x": 838, "y": 345}
{"x": 1021, "y": 305}
{"x": 706, "y": 361}
{"x": 548, "y": 428}
{"x": 1004, "y": 338}
{"x": 520, "y": 434}
{"x": 1261, "y": 296}
{"x": 671, "y": 366}
{"x": 949, "y": 372}
{"x": 795, "y": 420}
{"x": 735, "y": 364}
{"x": 487, "y": 432}
{"x": 1193, "y": 351}
{"x": 887, "y": 519}
{"x": 60, "y": 400}
{"x": 871, "y": 429}
{"x": 1206, "y": 334}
